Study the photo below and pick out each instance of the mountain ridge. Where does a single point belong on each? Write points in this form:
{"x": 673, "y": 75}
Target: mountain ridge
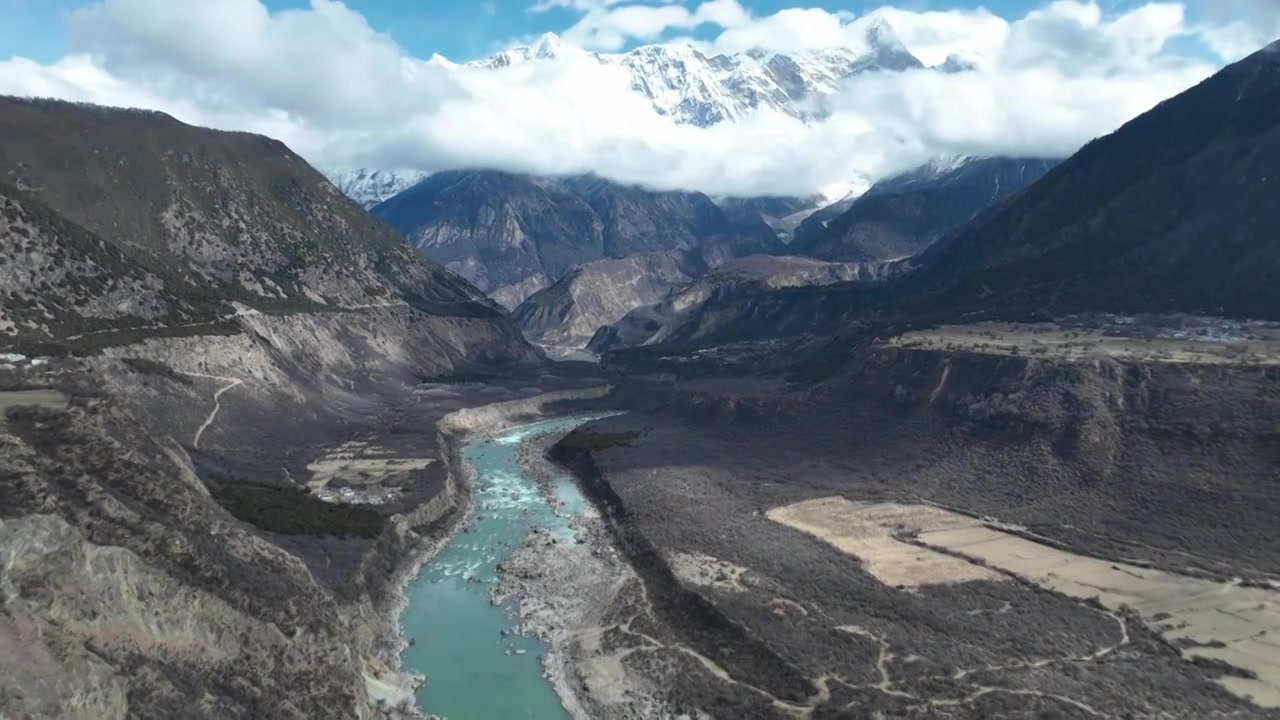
{"x": 208, "y": 218}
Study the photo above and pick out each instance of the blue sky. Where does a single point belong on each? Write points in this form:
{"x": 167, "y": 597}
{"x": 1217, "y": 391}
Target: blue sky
{"x": 459, "y": 30}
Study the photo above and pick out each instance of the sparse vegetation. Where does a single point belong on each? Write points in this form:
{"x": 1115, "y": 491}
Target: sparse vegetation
{"x": 146, "y": 366}
{"x": 293, "y": 511}
{"x": 456, "y": 377}
{"x": 582, "y": 440}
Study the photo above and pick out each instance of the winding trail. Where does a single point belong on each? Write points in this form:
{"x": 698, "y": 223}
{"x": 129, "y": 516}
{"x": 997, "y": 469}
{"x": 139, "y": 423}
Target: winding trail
{"x": 886, "y": 683}
{"x": 217, "y": 401}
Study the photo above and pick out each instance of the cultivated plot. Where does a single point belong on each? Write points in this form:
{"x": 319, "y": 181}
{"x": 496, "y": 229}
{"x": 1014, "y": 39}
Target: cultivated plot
{"x": 1181, "y": 339}
{"x": 914, "y": 545}
{"x": 868, "y": 530}
{"x": 361, "y": 472}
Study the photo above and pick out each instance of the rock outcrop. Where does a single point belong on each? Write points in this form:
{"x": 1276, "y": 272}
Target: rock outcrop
{"x": 595, "y": 294}
{"x": 718, "y": 305}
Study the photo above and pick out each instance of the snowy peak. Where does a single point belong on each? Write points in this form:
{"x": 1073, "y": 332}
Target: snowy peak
{"x": 881, "y": 36}
{"x": 886, "y": 50}
{"x": 682, "y": 83}
{"x": 693, "y": 89}
{"x": 956, "y": 64}
{"x": 548, "y": 47}
{"x": 370, "y": 187}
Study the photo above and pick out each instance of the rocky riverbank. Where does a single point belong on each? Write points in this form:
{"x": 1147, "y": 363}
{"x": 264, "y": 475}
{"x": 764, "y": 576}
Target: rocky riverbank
{"x": 573, "y": 595}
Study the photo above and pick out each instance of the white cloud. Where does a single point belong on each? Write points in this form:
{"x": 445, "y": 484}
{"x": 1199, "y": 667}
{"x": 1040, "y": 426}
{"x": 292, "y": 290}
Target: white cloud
{"x": 342, "y": 94}
{"x": 607, "y": 25}
{"x": 325, "y": 64}
{"x": 1236, "y": 28}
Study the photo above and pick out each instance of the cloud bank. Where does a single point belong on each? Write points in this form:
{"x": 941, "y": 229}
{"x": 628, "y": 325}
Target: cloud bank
{"x": 343, "y": 95}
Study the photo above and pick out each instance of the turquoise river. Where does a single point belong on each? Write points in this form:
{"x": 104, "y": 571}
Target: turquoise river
{"x": 473, "y": 669}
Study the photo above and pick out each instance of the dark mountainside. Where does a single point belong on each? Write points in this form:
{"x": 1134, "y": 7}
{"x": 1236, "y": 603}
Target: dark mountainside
{"x": 214, "y": 317}
{"x": 639, "y": 220}
{"x": 858, "y": 238}
{"x": 1171, "y": 213}
{"x": 513, "y": 234}
{"x": 496, "y": 229}
{"x": 897, "y": 217}
{"x": 570, "y": 311}
{"x": 1174, "y": 211}
{"x": 225, "y": 216}
{"x": 903, "y": 215}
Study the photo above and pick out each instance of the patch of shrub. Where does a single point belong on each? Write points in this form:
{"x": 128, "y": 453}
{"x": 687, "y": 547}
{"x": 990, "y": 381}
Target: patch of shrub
{"x": 293, "y": 511}
{"x": 457, "y": 377}
{"x": 145, "y": 366}
{"x": 590, "y": 440}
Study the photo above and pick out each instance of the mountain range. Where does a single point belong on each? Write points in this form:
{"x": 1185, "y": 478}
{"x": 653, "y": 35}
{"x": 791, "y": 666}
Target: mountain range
{"x": 1173, "y": 212}
{"x": 571, "y": 255}
{"x": 692, "y": 88}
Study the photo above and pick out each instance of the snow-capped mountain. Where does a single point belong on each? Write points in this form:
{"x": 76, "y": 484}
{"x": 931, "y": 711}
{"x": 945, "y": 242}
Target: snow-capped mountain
{"x": 956, "y": 64}
{"x": 695, "y": 89}
{"x": 548, "y": 47}
{"x": 370, "y": 187}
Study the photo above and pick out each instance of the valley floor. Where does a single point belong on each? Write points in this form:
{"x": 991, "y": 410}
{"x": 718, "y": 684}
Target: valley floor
{"x": 933, "y": 534}
{"x": 935, "y": 531}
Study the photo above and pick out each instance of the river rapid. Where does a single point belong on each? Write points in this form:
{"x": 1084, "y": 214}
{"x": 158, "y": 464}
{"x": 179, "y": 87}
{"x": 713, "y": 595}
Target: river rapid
{"x": 476, "y": 667}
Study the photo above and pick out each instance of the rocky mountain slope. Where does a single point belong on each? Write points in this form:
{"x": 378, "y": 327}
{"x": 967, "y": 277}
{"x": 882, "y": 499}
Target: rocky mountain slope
{"x": 213, "y": 315}
{"x": 783, "y": 214}
{"x": 513, "y": 234}
{"x": 904, "y": 214}
{"x": 200, "y": 218}
{"x": 568, "y": 313}
{"x": 711, "y": 306}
